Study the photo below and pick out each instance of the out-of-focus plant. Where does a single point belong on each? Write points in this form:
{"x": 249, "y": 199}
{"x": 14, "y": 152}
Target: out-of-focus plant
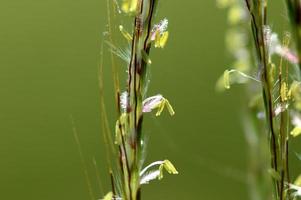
{"x": 269, "y": 69}
{"x": 130, "y": 143}
{"x": 294, "y": 12}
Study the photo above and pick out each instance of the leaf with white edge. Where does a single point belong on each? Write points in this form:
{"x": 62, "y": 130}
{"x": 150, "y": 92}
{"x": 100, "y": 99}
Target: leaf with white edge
{"x": 296, "y": 131}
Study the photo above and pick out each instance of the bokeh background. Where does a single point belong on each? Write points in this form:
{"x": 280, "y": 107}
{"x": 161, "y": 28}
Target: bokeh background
{"x": 49, "y": 59}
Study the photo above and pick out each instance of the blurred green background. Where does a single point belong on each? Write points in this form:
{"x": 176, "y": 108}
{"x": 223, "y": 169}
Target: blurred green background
{"x": 49, "y": 58}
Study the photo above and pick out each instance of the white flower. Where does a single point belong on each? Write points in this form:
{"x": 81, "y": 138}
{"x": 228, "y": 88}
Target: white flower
{"x": 159, "y": 28}
{"x": 280, "y": 108}
{"x": 157, "y": 102}
{"x": 145, "y": 179}
{"x": 151, "y": 103}
{"x": 275, "y": 47}
{"x": 296, "y": 188}
{"x": 124, "y": 101}
{"x": 147, "y": 175}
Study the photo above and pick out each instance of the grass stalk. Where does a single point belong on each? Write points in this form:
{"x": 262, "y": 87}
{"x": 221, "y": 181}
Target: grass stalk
{"x": 136, "y": 78}
{"x": 258, "y": 13}
{"x": 132, "y": 104}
